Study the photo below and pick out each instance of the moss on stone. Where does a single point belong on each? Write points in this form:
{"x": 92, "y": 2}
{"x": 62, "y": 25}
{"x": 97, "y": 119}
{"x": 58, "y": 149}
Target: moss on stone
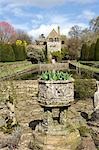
{"x": 84, "y": 131}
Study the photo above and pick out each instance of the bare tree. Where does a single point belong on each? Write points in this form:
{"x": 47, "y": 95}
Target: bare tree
{"x": 22, "y": 35}
{"x": 75, "y": 32}
{"x": 74, "y": 41}
{"x": 7, "y": 32}
{"x": 94, "y": 24}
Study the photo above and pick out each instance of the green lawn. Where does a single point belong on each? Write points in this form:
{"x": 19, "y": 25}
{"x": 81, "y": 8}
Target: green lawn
{"x": 11, "y": 68}
{"x": 90, "y": 68}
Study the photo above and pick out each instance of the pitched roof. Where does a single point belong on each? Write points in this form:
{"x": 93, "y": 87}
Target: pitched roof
{"x": 53, "y": 34}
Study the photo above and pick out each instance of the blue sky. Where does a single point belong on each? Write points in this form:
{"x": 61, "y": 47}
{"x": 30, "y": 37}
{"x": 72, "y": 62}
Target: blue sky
{"x": 40, "y": 16}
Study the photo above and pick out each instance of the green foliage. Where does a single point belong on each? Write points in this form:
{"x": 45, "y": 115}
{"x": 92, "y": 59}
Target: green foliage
{"x": 57, "y": 55}
{"x": 84, "y": 52}
{"x": 6, "y": 53}
{"x": 92, "y": 52}
{"x": 83, "y": 49}
{"x": 35, "y": 55}
{"x": 85, "y": 88}
{"x": 97, "y": 50}
{"x": 19, "y": 51}
{"x": 55, "y": 75}
{"x": 64, "y": 53}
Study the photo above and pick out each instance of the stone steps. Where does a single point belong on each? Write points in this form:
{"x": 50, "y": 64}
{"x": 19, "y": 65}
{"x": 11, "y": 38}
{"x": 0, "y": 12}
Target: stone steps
{"x": 25, "y": 138}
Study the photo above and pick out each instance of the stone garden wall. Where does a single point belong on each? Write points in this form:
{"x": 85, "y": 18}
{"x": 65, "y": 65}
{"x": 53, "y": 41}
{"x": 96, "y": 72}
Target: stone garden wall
{"x": 24, "y": 94}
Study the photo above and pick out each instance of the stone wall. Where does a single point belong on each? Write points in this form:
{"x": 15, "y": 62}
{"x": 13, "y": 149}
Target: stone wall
{"x": 53, "y": 46}
{"x": 24, "y": 94}
{"x": 55, "y": 66}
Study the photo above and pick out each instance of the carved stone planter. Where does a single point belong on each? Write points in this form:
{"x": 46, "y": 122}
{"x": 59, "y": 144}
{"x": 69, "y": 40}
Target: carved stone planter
{"x": 55, "y": 132}
{"x": 56, "y": 93}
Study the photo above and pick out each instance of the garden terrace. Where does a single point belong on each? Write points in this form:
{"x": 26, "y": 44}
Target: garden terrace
{"x": 17, "y": 69}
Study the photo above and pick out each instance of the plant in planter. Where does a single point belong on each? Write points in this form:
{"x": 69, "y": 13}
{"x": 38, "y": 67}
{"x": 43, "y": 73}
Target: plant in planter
{"x": 56, "y": 91}
{"x": 52, "y": 75}
{"x": 56, "y": 88}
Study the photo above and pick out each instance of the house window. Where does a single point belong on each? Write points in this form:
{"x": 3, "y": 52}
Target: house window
{"x": 63, "y": 42}
{"x": 50, "y": 39}
{"x": 56, "y": 39}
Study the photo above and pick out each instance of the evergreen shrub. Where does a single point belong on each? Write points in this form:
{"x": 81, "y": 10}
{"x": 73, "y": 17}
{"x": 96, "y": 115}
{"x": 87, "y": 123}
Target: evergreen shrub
{"x": 84, "y": 88}
{"x": 92, "y": 52}
{"x": 19, "y": 51}
{"x": 97, "y": 50}
{"x": 6, "y": 53}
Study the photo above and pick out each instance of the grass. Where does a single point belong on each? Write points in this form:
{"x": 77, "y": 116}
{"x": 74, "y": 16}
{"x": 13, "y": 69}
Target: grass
{"x": 89, "y": 68}
{"x": 8, "y": 69}
{"x": 88, "y": 62}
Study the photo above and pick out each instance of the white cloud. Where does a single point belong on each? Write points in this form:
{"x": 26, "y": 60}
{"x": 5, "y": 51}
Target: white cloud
{"x": 43, "y": 3}
{"x": 87, "y": 14}
{"x": 24, "y": 27}
{"x": 57, "y": 19}
{"x": 38, "y": 3}
{"x": 82, "y": 1}
{"x": 44, "y": 23}
{"x": 46, "y": 29}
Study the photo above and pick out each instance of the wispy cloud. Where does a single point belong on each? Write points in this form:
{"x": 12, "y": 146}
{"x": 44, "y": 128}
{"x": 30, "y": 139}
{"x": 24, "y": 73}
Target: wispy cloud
{"x": 40, "y": 16}
{"x": 44, "y": 3}
{"x": 46, "y": 29}
{"x": 23, "y": 27}
{"x": 82, "y": 1}
{"x": 87, "y": 14}
{"x": 53, "y": 22}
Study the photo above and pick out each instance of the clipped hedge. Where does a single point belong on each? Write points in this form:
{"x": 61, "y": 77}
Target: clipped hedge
{"x": 85, "y": 88}
{"x": 92, "y": 52}
{"x": 19, "y": 51}
{"x": 6, "y": 53}
{"x": 97, "y": 50}
{"x": 84, "y": 52}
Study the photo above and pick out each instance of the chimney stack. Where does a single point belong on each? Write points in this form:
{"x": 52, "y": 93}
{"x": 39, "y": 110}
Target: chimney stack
{"x": 58, "y": 30}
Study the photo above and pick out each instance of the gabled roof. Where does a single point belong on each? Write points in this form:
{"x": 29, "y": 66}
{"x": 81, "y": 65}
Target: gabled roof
{"x": 53, "y": 34}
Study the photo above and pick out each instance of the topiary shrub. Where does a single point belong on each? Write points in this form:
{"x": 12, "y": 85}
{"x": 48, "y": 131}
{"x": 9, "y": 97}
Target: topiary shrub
{"x": 84, "y": 88}
{"x": 19, "y": 51}
{"x": 6, "y": 53}
{"x": 92, "y": 52}
{"x": 84, "y": 52}
{"x": 97, "y": 50}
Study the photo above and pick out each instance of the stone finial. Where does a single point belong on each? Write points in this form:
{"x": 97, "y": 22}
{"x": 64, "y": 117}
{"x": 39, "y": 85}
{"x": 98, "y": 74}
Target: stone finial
{"x": 96, "y": 98}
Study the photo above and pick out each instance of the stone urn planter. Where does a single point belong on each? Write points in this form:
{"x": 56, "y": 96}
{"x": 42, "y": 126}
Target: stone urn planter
{"x": 55, "y": 89}
{"x": 56, "y": 93}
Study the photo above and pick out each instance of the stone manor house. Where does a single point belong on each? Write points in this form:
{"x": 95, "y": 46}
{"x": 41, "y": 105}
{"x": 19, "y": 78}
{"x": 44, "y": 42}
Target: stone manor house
{"x": 53, "y": 42}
